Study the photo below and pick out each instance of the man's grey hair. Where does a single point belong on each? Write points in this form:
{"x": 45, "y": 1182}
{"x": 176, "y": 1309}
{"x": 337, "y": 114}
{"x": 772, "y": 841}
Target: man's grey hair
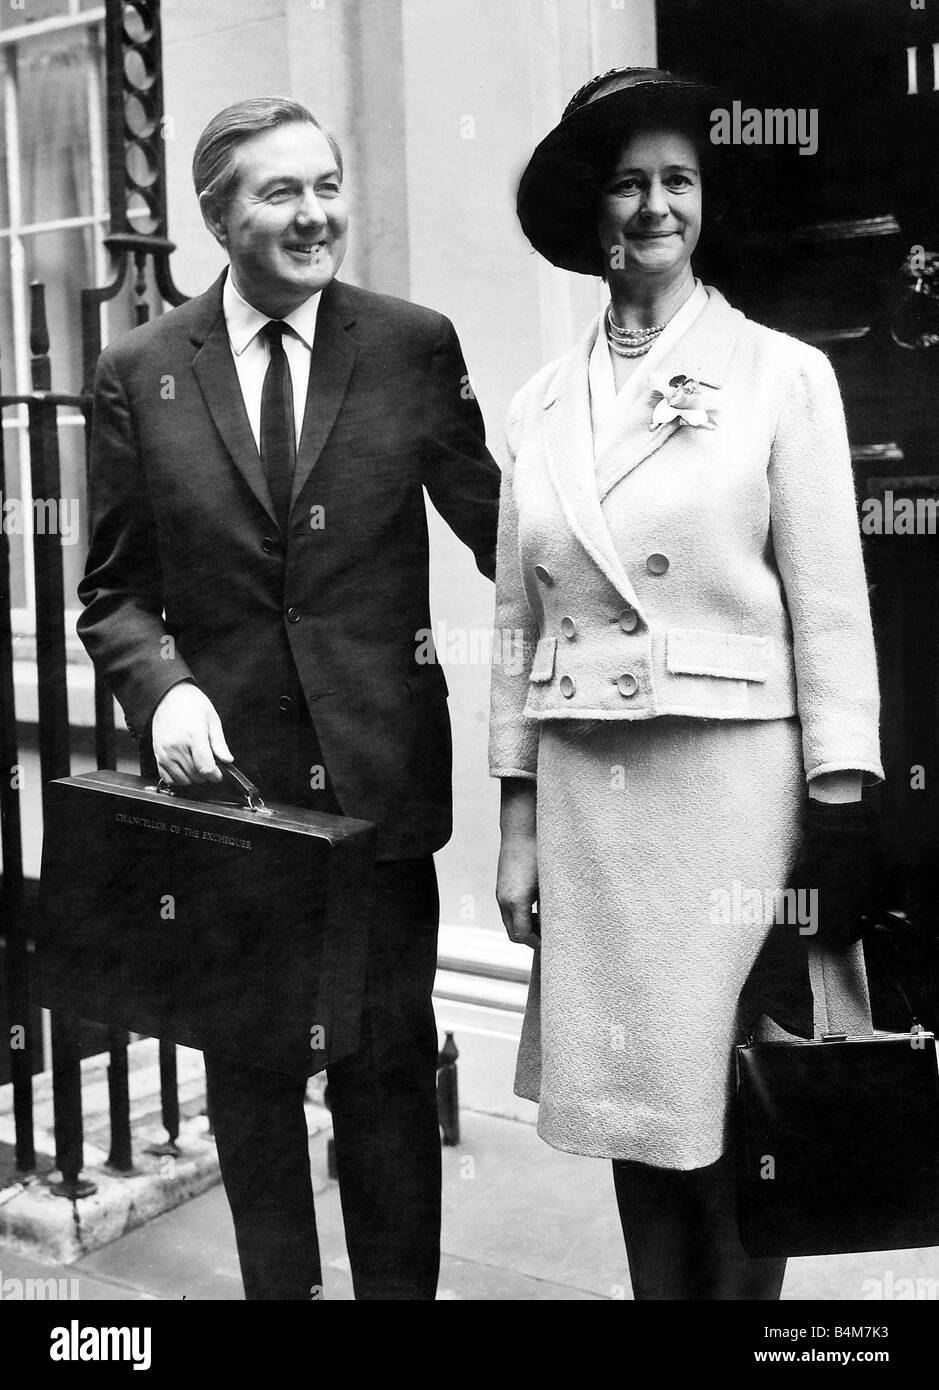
{"x": 215, "y": 162}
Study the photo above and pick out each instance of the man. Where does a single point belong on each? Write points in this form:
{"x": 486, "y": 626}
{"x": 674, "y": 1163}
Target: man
{"x": 256, "y": 583}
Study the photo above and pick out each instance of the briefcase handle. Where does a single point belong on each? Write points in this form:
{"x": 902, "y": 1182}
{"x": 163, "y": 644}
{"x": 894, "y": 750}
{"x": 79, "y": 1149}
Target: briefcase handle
{"x": 253, "y": 799}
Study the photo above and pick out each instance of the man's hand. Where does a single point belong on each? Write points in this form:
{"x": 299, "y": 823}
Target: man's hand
{"x": 187, "y": 737}
{"x": 517, "y": 876}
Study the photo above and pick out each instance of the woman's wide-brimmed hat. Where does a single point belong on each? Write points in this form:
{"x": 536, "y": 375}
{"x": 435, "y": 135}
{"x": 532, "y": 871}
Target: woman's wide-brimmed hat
{"x": 558, "y": 192}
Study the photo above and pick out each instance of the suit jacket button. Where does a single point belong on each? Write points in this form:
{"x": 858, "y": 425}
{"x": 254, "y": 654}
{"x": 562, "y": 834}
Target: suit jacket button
{"x": 628, "y": 620}
{"x": 567, "y": 687}
{"x": 627, "y": 685}
{"x": 293, "y": 615}
{"x": 569, "y": 628}
{"x": 268, "y": 546}
{"x": 285, "y": 702}
{"x": 544, "y": 575}
{"x": 657, "y": 564}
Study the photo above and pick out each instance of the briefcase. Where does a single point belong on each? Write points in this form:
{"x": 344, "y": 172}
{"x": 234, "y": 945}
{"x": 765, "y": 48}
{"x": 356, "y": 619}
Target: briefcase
{"x": 837, "y": 1143}
{"x": 239, "y": 928}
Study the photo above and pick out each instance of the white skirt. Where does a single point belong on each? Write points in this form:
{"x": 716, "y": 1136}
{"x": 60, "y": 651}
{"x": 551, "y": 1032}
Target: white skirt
{"x": 652, "y": 837}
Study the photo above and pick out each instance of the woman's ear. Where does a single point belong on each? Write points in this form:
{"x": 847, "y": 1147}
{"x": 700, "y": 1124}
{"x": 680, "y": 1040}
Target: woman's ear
{"x": 212, "y": 218}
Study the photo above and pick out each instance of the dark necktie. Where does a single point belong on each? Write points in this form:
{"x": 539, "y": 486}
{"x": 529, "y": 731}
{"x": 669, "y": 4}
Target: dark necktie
{"x": 278, "y": 438}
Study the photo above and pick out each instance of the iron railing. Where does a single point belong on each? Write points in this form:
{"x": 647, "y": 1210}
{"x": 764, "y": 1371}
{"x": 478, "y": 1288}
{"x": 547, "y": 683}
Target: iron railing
{"x": 137, "y": 204}
{"x": 54, "y": 744}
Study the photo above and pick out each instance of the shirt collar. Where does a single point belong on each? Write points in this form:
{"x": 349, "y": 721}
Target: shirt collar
{"x": 244, "y": 322}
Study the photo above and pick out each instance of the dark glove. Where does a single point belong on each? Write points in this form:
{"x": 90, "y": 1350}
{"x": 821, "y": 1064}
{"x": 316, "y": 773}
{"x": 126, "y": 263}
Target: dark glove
{"x": 836, "y": 859}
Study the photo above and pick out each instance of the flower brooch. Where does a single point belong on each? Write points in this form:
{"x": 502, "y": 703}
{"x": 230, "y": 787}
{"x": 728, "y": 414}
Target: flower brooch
{"x": 688, "y": 401}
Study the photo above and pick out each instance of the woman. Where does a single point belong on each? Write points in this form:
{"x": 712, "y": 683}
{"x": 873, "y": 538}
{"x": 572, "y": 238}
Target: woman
{"x": 679, "y": 550}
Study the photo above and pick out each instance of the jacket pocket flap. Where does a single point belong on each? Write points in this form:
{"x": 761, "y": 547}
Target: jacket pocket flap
{"x": 542, "y": 667}
{"x": 733, "y": 655}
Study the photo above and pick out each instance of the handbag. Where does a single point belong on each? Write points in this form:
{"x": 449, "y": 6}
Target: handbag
{"x": 836, "y": 1137}
{"x": 223, "y": 925}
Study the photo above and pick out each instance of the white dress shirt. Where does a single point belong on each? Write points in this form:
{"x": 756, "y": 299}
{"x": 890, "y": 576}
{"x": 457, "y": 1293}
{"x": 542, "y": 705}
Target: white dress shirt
{"x": 252, "y": 354}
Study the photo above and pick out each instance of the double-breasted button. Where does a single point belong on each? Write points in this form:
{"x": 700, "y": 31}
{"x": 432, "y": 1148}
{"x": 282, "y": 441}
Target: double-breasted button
{"x": 657, "y": 563}
{"x": 569, "y": 628}
{"x": 627, "y": 684}
{"x": 628, "y": 620}
{"x": 293, "y": 615}
{"x": 268, "y": 546}
{"x": 285, "y": 703}
{"x": 567, "y": 687}
{"x": 544, "y": 575}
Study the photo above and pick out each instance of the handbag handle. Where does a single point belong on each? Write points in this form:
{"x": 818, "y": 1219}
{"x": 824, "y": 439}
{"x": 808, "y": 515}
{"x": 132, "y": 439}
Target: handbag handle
{"x": 252, "y": 796}
{"x": 840, "y": 999}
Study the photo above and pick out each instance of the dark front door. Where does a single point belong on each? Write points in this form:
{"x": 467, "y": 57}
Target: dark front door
{"x": 827, "y": 257}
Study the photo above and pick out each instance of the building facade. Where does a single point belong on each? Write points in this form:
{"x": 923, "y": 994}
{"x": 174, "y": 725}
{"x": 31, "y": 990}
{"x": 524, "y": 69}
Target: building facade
{"x": 438, "y": 104}
{"x": 437, "y": 107}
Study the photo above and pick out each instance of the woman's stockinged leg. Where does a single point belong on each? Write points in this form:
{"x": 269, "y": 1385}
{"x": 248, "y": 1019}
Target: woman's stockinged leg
{"x": 680, "y": 1229}
{"x": 726, "y": 1271}
{"x": 656, "y": 1217}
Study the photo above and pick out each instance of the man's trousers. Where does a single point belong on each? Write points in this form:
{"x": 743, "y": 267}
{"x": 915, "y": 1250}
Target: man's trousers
{"x": 384, "y": 1111}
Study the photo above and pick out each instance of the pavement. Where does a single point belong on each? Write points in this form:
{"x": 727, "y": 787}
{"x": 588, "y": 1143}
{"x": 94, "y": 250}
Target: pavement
{"x": 521, "y": 1221}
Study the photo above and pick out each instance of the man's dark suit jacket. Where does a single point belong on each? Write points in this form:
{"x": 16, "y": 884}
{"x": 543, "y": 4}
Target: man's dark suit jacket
{"x": 185, "y": 545}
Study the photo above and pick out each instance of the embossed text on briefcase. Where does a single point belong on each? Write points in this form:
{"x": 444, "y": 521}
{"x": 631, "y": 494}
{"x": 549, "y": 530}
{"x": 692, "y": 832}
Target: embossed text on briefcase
{"x": 235, "y": 927}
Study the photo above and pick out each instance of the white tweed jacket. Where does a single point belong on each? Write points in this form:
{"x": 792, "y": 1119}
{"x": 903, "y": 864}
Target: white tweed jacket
{"x": 719, "y": 574}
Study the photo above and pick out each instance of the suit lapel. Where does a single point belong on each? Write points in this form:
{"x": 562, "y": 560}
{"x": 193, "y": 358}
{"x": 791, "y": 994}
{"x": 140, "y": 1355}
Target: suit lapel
{"x": 704, "y": 353}
{"x": 568, "y": 450}
{"x": 331, "y": 362}
{"x": 214, "y": 368}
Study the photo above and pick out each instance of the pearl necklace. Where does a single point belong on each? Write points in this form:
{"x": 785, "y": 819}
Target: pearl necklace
{"x": 629, "y": 342}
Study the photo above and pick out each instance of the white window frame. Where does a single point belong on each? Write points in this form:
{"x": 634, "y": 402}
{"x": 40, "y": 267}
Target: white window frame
{"x": 23, "y": 619}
